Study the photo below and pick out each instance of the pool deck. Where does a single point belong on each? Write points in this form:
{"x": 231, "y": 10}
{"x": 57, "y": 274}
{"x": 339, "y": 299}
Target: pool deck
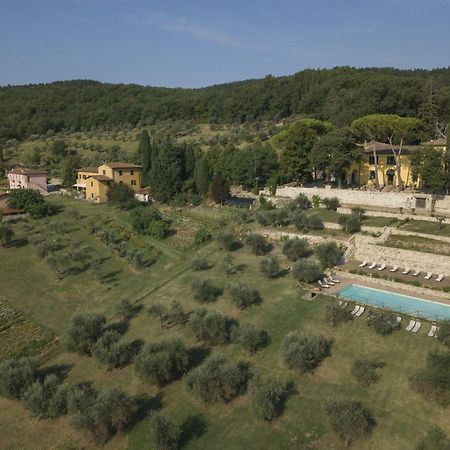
{"x": 391, "y": 286}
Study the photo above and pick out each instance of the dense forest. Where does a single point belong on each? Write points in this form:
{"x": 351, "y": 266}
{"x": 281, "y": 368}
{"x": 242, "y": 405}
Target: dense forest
{"x": 337, "y": 95}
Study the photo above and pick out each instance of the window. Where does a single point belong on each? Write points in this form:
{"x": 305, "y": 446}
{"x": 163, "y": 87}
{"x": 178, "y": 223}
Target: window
{"x": 92, "y": 183}
{"x": 92, "y": 195}
{"x": 104, "y": 172}
{"x": 390, "y": 161}
{"x": 120, "y": 173}
{"x": 421, "y": 202}
{"x": 28, "y": 179}
{"x": 131, "y": 172}
{"x": 372, "y": 175}
{"x": 133, "y": 182}
{"x": 120, "y": 182}
{"x": 372, "y": 159}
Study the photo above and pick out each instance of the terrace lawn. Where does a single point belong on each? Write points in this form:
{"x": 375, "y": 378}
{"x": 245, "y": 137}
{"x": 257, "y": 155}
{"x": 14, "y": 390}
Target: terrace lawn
{"x": 402, "y": 416}
{"x": 422, "y": 226}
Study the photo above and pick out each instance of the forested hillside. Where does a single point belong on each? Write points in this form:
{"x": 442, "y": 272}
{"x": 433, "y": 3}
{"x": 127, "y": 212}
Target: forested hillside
{"x": 338, "y": 95}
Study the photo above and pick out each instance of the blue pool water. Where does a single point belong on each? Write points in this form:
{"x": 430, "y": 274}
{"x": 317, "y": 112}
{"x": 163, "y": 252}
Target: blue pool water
{"x": 397, "y": 302}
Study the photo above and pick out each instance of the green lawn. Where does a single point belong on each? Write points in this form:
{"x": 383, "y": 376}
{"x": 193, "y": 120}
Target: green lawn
{"x": 419, "y": 244}
{"x": 422, "y": 226}
{"x": 402, "y": 415}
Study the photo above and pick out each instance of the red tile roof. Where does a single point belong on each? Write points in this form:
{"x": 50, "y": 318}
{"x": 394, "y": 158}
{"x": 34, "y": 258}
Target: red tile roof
{"x": 122, "y": 165}
{"x": 100, "y": 178}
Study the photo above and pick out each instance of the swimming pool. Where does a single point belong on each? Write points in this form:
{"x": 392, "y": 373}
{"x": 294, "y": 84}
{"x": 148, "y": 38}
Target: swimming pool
{"x": 397, "y": 302}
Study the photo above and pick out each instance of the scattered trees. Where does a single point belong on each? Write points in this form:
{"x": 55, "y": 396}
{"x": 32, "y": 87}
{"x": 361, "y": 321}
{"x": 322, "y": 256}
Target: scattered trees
{"x": 350, "y": 223}
{"x": 16, "y": 375}
{"x": 111, "y": 350}
{"x": 328, "y": 254}
{"x": 122, "y": 195}
{"x": 84, "y": 330}
{"x": 171, "y": 316}
{"x": 31, "y": 201}
{"x": 204, "y": 291}
{"x": 270, "y": 267}
{"x": 219, "y": 188}
{"x": 305, "y": 353}
{"x": 294, "y": 249}
{"x": 164, "y": 434}
{"x": 243, "y": 296}
{"x": 258, "y": 244}
{"x": 331, "y": 203}
{"x": 307, "y": 271}
{"x": 228, "y": 241}
{"x": 211, "y": 327}
{"x": 149, "y": 220}
{"x": 267, "y": 395}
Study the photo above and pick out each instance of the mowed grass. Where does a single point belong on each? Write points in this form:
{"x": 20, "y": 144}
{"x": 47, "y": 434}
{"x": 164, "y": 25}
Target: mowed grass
{"x": 402, "y": 415}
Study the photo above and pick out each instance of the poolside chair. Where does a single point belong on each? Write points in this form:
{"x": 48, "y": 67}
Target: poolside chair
{"x": 398, "y": 321}
{"x": 428, "y": 276}
{"x": 322, "y": 285}
{"x": 363, "y": 264}
{"x": 372, "y": 266}
{"x": 344, "y": 305}
{"x": 382, "y": 267}
{"x": 410, "y": 325}
{"x": 355, "y": 310}
{"x": 436, "y": 334}
{"x": 406, "y": 271}
{"x": 440, "y": 277}
{"x": 416, "y": 273}
{"x": 330, "y": 280}
{"x": 361, "y": 310}
{"x": 333, "y": 279}
{"x": 416, "y": 327}
{"x": 394, "y": 269}
{"x": 432, "y": 331}
{"x": 329, "y": 283}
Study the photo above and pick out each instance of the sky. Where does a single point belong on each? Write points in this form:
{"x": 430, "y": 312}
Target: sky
{"x": 194, "y": 43}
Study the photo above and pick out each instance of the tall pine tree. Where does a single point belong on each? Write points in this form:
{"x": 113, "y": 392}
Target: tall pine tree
{"x": 202, "y": 177}
{"x": 145, "y": 155}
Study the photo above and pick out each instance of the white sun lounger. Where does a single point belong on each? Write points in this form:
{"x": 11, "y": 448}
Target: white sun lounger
{"x": 416, "y": 327}
{"x": 382, "y": 267}
{"x": 372, "y": 266}
{"x": 334, "y": 280}
{"x": 416, "y": 273}
{"x": 360, "y": 311}
{"x": 428, "y": 276}
{"x": 325, "y": 281}
{"x": 410, "y": 325}
{"x": 432, "y": 331}
{"x": 355, "y": 310}
{"x": 398, "y": 320}
{"x": 363, "y": 264}
{"x": 440, "y": 277}
{"x": 394, "y": 269}
{"x": 323, "y": 285}
{"x": 406, "y": 271}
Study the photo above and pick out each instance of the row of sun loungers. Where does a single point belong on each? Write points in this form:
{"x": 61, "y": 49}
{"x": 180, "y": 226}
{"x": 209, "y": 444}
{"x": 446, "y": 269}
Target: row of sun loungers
{"x": 358, "y": 310}
{"x": 328, "y": 282}
{"x": 407, "y": 270}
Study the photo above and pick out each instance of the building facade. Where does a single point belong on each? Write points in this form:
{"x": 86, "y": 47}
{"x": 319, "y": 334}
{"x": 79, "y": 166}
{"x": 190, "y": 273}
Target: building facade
{"x": 95, "y": 182}
{"x": 22, "y": 178}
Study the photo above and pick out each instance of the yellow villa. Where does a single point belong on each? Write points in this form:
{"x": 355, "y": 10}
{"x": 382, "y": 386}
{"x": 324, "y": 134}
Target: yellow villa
{"x": 95, "y": 182}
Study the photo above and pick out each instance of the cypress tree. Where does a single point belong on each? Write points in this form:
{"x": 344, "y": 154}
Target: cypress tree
{"x": 189, "y": 162}
{"x": 220, "y": 188}
{"x": 201, "y": 177}
{"x": 145, "y": 154}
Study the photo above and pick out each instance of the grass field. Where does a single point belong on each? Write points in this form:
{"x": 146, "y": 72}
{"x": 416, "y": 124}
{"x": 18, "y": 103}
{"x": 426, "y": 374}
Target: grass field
{"x": 29, "y": 285}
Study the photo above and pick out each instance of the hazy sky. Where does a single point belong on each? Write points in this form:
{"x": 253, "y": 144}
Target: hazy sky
{"x": 194, "y": 43}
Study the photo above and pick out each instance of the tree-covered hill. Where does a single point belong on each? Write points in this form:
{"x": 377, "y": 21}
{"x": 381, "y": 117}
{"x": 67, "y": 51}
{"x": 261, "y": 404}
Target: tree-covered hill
{"x": 338, "y": 95}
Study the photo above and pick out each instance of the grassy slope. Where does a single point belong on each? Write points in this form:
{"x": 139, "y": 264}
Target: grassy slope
{"x": 402, "y": 415}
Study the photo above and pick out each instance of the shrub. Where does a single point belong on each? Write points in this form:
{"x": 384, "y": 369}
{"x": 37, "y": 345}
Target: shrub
{"x": 164, "y": 434}
{"x": 258, "y": 244}
{"x": 365, "y": 371}
{"x": 314, "y": 222}
{"x": 328, "y": 253}
{"x": 294, "y": 249}
{"x": 204, "y": 291}
{"x": 122, "y": 195}
{"x": 270, "y": 267}
{"x": 435, "y": 439}
{"x": 331, "y": 203}
{"x": 228, "y": 241}
{"x": 350, "y": 223}
{"x": 358, "y": 212}
{"x": 126, "y": 309}
{"x": 243, "y": 296}
{"x": 216, "y": 380}
{"x": 251, "y": 338}
{"x": 383, "y": 322}
{"x": 307, "y": 271}
{"x": 277, "y": 217}
{"x": 111, "y": 350}
{"x": 201, "y": 236}
{"x": 169, "y": 316}
{"x": 200, "y": 264}
{"x": 351, "y": 420}
{"x": 211, "y": 327}
{"x": 31, "y": 201}
{"x": 267, "y": 396}
{"x": 444, "y": 332}
{"x": 135, "y": 258}
{"x": 433, "y": 381}
{"x": 335, "y": 314}
{"x": 16, "y": 375}
{"x": 6, "y": 235}
{"x": 301, "y": 202}
{"x": 305, "y": 353}
{"x": 265, "y": 205}
{"x": 84, "y": 331}
{"x": 148, "y": 220}
{"x": 315, "y": 200}
{"x": 162, "y": 362}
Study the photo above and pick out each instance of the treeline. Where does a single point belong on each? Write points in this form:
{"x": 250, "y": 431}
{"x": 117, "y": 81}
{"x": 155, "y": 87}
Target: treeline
{"x": 338, "y": 95}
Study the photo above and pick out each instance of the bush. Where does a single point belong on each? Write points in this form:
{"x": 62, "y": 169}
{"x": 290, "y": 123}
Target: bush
{"x": 301, "y": 202}
{"x": 335, "y": 314}
{"x": 365, "y": 371}
{"x": 276, "y": 217}
{"x": 216, "y": 380}
{"x": 315, "y": 222}
{"x": 211, "y": 327}
{"x": 84, "y": 331}
{"x": 331, "y": 203}
{"x": 204, "y": 291}
{"x": 228, "y": 241}
{"x": 307, "y": 271}
{"x": 201, "y": 236}
{"x": 328, "y": 253}
{"x": 122, "y": 195}
{"x": 294, "y": 249}
{"x": 16, "y": 375}
{"x": 243, "y": 296}
{"x": 148, "y": 220}
{"x": 305, "y": 353}
{"x": 433, "y": 381}
{"x": 162, "y": 362}
{"x": 6, "y": 235}
{"x": 444, "y": 332}
{"x": 350, "y": 223}
{"x": 164, "y": 434}
{"x": 135, "y": 258}
{"x": 435, "y": 439}
{"x": 126, "y": 309}
{"x": 351, "y": 420}
{"x": 270, "y": 267}
{"x": 383, "y": 322}
{"x": 258, "y": 244}
{"x": 169, "y": 316}
{"x": 31, "y": 201}
{"x": 200, "y": 264}
{"x": 315, "y": 200}
{"x": 267, "y": 396}
{"x": 251, "y": 338}
{"x": 111, "y": 350}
